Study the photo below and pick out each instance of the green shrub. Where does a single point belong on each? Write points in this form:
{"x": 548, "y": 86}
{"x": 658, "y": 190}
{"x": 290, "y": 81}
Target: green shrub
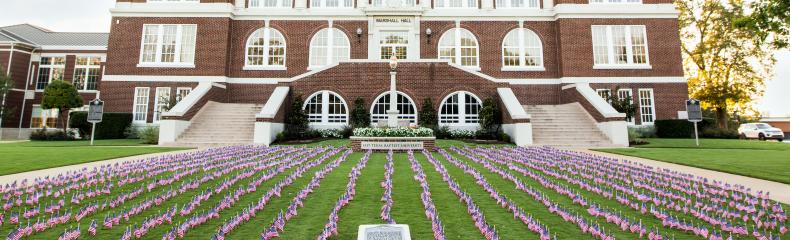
{"x": 442, "y": 132}
{"x": 296, "y": 123}
{"x": 393, "y": 132}
{"x": 490, "y": 117}
{"x": 79, "y": 121}
{"x": 51, "y": 135}
{"x": 674, "y": 128}
{"x": 113, "y": 126}
{"x": 149, "y": 135}
{"x": 504, "y": 137}
{"x": 359, "y": 116}
{"x": 713, "y": 132}
{"x": 428, "y": 115}
{"x": 642, "y": 131}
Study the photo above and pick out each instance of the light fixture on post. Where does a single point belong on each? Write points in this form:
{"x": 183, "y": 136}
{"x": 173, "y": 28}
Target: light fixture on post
{"x": 392, "y": 113}
{"x": 359, "y": 35}
{"x": 428, "y": 33}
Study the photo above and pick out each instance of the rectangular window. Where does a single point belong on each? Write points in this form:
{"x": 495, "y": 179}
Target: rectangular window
{"x": 182, "y": 92}
{"x": 646, "y": 108}
{"x": 161, "y": 102}
{"x": 140, "y": 110}
{"x": 604, "y": 93}
{"x": 86, "y": 73}
{"x": 394, "y": 43}
{"x": 517, "y": 4}
{"x": 168, "y": 44}
{"x": 43, "y": 118}
{"x": 270, "y": 3}
{"x": 619, "y": 45}
{"x": 50, "y": 69}
{"x": 331, "y": 3}
{"x": 627, "y": 93}
{"x": 456, "y": 4}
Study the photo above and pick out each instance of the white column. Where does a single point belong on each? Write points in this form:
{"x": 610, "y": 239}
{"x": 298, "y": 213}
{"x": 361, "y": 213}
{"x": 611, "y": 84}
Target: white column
{"x": 392, "y": 113}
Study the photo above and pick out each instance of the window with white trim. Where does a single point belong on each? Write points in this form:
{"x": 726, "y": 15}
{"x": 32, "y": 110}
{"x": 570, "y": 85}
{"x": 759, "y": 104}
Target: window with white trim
{"x": 406, "y": 107}
{"x": 459, "y": 46}
{"x": 326, "y": 107}
{"x": 161, "y": 102}
{"x": 271, "y": 3}
{"x": 140, "y": 108}
{"x": 182, "y": 92}
{"x": 619, "y": 45}
{"x": 522, "y": 50}
{"x": 460, "y": 108}
{"x": 265, "y": 48}
{"x": 50, "y": 69}
{"x": 517, "y": 4}
{"x": 396, "y": 43}
{"x": 331, "y": 3}
{"x": 43, "y": 118}
{"x": 399, "y": 3}
{"x": 329, "y": 46}
{"x": 168, "y": 44}
{"x": 627, "y": 93}
{"x": 614, "y": 1}
{"x": 86, "y": 73}
{"x": 647, "y": 109}
{"x": 604, "y": 93}
{"x": 455, "y": 4}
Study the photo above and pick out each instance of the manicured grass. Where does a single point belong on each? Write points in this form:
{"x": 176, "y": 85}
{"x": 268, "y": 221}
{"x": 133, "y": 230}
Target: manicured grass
{"x": 764, "y": 160}
{"x": 29, "y": 156}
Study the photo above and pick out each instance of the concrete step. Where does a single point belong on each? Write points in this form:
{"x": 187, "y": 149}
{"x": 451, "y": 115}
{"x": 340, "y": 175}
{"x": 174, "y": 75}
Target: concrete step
{"x": 221, "y": 124}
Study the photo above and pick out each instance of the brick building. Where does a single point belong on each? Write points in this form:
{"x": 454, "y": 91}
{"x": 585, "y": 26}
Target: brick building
{"x": 219, "y": 57}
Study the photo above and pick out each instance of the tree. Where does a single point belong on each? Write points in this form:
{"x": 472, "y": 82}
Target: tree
{"x": 428, "y": 114}
{"x": 6, "y": 84}
{"x": 624, "y": 105}
{"x": 360, "y": 117}
{"x": 490, "y": 117}
{"x": 296, "y": 122}
{"x": 725, "y": 65}
{"x": 62, "y": 96}
{"x": 769, "y": 21}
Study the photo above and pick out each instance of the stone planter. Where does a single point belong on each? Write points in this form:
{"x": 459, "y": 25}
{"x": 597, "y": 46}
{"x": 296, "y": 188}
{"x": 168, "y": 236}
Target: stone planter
{"x": 400, "y": 144}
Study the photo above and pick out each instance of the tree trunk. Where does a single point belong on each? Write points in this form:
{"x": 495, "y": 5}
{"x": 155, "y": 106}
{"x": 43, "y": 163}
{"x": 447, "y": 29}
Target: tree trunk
{"x": 721, "y": 117}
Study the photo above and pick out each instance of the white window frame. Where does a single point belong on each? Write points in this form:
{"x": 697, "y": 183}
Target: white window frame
{"x": 629, "y": 92}
{"x": 45, "y": 116}
{"x": 393, "y": 46}
{"x": 340, "y": 4}
{"x": 51, "y": 68}
{"x": 464, "y": 119}
{"x": 652, "y": 106}
{"x": 331, "y": 46}
{"x": 180, "y": 90}
{"x": 457, "y": 31}
{"x": 267, "y": 34}
{"x": 161, "y": 92}
{"x": 403, "y": 3}
{"x": 277, "y": 3}
{"x": 144, "y": 104}
{"x": 512, "y": 4}
{"x": 328, "y": 120}
{"x": 177, "y": 63}
{"x": 610, "y": 51}
{"x": 464, "y": 4}
{"x": 375, "y": 117}
{"x": 87, "y": 69}
{"x": 604, "y": 93}
{"x": 522, "y": 33}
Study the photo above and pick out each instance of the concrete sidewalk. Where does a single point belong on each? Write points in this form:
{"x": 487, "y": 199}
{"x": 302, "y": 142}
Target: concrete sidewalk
{"x": 7, "y": 179}
{"x": 779, "y": 191}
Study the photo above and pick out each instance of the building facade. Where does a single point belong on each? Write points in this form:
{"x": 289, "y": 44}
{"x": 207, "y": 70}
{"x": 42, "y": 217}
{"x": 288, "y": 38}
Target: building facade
{"x": 454, "y": 52}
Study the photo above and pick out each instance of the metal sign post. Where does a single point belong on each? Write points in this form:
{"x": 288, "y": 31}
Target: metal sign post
{"x": 694, "y": 115}
{"x": 95, "y": 114}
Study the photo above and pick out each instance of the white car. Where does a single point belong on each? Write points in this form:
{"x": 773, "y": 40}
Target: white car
{"x": 760, "y": 131}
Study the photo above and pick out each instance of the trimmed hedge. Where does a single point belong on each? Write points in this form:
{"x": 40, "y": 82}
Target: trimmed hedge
{"x": 674, "y": 128}
{"x": 112, "y": 126}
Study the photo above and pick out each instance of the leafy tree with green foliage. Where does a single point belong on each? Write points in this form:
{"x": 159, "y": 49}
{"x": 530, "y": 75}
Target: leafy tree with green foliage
{"x": 726, "y": 65}
{"x": 769, "y": 21}
{"x": 490, "y": 116}
{"x": 62, "y": 96}
{"x": 624, "y": 105}
{"x": 6, "y": 84}
{"x": 428, "y": 115}
{"x": 296, "y": 121}
{"x": 360, "y": 118}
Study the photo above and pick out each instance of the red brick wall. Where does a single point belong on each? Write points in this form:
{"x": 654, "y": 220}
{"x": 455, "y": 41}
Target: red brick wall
{"x": 575, "y": 36}
{"x": 537, "y": 94}
{"x": 119, "y": 96}
{"x": 249, "y": 93}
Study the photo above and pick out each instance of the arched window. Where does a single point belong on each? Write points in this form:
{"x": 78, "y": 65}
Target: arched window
{"x": 265, "y": 49}
{"x": 459, "y": 46}
{"x": 522, "y": 50}
{"x": 329, "y": 46}
{"x": 460, "y": 108}
{"x": 326, "y": 108}
{"x": 408, "y": 111}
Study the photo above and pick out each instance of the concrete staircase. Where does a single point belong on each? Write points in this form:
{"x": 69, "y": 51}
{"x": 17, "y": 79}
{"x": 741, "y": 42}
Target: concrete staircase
{"x": 220, "y": 124}
{"x": 567, "y": 125}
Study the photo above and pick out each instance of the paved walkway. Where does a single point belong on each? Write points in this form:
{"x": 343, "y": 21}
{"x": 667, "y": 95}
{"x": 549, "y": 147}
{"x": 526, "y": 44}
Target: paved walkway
{"x": 779, "y": 191}
{"x": 57, "y": 170}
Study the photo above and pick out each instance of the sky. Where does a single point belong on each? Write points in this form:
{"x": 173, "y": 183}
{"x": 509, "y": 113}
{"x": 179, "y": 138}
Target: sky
{"x": 94, "y": 16}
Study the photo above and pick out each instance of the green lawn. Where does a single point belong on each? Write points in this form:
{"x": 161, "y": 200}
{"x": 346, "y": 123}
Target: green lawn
{"x": 28, "y": 156}
{"x": 764, "y": 160}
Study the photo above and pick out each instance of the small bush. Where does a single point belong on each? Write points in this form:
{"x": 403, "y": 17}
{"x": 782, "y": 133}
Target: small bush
{"x": 51, "y": 135}
{"x": 463, "y": 134}
{"x": 504, "y": 137}
{"x": 79, "y": 121}
{"x": 149, "y": 135}
{"x": 428, "y": 114}
{"x": 713, "y": 132}
{"x": 675, "y": 128}
{"x": 131, "y": 132}
{"x": 442, "y": 132}
{"x": 113, "y": 125}
{"x": 359, "y": 116}
{"x": 393, "y": 132}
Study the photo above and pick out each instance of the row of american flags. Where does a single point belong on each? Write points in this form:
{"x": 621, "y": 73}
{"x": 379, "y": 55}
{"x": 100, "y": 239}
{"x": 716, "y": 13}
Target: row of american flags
{"x": 658, "y": 203}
